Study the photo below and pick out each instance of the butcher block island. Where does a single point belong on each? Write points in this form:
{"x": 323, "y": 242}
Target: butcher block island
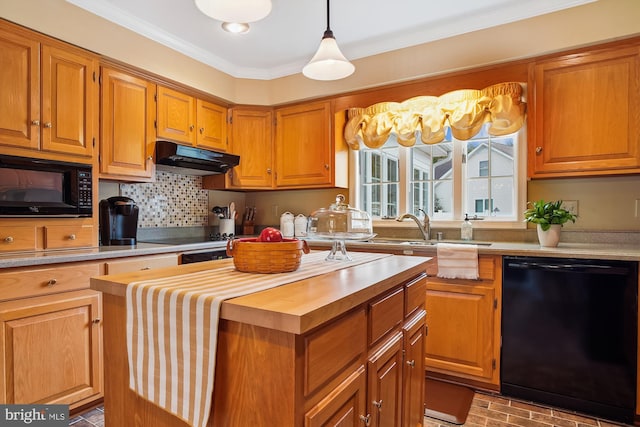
{"x": 331, "y": 344}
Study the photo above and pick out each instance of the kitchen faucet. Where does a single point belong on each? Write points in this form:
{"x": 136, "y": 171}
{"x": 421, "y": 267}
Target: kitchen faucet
{"x": 424, "y": 227}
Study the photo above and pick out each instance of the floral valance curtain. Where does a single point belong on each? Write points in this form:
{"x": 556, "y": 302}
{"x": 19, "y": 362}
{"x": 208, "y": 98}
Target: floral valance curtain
{"x": 465, "y": 111}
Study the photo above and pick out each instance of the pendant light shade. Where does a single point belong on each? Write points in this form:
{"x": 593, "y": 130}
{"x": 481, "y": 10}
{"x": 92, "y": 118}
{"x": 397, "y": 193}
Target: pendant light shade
{"x": 328, "y": 63}
{"x": 236, "y": 11}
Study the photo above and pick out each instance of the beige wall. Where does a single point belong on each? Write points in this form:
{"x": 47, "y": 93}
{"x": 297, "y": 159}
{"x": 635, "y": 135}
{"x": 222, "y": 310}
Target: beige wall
{"x": 583, "y": 25}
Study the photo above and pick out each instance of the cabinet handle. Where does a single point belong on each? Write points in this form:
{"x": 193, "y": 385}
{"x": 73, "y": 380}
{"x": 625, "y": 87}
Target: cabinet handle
{"x": 8, "y": 239}
{"x": 96, "y": 321}
{"x": 146, "y": 268}
{"x": 48, "y": 125}
{"x": 411, "y": 363}
{"x": 35, "y": 122}
{"x": 72, "y": 237}
{"x": 201, "y": 130}
{"x": 150, "y": 158}
{"x": 377, "y": 404}
{"x": 52, "y": 282}
{"x": 538, "y": 150}
{"x": 365, "y": 419}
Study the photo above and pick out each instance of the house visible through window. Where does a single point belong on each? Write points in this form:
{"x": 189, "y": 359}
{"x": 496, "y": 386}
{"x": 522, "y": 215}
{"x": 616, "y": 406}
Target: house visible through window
{"x": 483, "y": 176}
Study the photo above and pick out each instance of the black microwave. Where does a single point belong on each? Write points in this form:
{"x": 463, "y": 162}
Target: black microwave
{"x": 38, "y": 187}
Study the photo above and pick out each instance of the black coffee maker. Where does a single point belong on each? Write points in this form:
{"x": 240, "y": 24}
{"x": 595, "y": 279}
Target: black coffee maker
{"x": 118, "y": 221}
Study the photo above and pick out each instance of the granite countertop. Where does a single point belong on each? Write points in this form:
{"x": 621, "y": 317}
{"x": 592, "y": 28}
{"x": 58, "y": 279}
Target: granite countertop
{"x": 629, "y": 252}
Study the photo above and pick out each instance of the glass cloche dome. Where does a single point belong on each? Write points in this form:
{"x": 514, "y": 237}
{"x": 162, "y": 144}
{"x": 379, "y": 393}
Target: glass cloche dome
{"x": 339, "y": 222}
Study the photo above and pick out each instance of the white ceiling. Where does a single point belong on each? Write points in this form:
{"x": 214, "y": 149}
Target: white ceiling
{"x": 283, "y": 42}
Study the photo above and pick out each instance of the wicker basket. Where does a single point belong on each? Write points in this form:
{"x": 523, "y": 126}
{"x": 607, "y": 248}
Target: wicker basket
{"x": 251, "y": 256}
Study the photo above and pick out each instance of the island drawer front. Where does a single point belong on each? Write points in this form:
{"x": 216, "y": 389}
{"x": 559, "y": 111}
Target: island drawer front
{"x": 415, "y": 295}
{"x": 328, "y": 351}
{"x": 22, "y": 283}
{"x": 486, "y": 268}
{"x": 17, "y": 239}
{"x": 67, "y": 236}
{"x": 140, "y": 263}
{"x": 385, "y": 314}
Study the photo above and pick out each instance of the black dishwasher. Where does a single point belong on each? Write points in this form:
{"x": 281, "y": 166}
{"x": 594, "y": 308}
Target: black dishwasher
{"x": 569, "y": 334}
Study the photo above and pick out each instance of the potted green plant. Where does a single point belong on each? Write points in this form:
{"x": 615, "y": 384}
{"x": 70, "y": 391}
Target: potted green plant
{"x": 549, "y": 218}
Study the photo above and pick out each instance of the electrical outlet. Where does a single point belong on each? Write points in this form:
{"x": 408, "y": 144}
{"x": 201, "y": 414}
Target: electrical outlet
{"x": 571, "y": 206}
{"x": 638, "y": 208}
{"x": 275, "y": 210}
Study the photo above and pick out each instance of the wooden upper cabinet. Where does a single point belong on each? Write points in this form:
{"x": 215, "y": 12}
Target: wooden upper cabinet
{"x": 127, "y": 132}
{"x": 252, "y": 139}
{"x": 19, "y": 91}
{"x": 304, "y": 151}
{"x": 69, "y": 97}
{"x": 584, "y": 115}
{"x": 212, "y": 126}
{"x": 176, "y": 119}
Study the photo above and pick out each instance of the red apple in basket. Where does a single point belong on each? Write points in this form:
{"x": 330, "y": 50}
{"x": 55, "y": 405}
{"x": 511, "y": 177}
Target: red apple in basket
{"x": 270, "y": 234}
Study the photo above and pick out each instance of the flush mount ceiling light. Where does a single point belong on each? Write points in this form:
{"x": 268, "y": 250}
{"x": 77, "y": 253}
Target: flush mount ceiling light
{"x": 328, "y": 63}
{"x": 235, "y": 14}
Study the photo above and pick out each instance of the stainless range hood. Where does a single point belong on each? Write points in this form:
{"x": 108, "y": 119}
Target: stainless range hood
{"x": 177, "y": 158}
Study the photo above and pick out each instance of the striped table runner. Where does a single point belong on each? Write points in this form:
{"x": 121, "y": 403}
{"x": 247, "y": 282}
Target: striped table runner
{"x": 172, "y": 327}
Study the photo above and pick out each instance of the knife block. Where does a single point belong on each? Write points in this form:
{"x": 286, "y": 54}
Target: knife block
{"x": 248, "y": 228}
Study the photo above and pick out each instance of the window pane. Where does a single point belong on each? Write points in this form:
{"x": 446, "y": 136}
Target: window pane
{"x": 379, "y": 179}
{"x": 503, "y": 190}
{"x": 431, "y": 167}
{"x": 477, "y": 189}
{"x": 502, "y": 150}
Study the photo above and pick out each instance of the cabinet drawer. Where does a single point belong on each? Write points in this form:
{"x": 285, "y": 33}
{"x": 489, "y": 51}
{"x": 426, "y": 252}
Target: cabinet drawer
{"x": 22, "y": 283}
{"x": 17, "y": 239}
{"x": 385, "y": 314}
{"x": 414, "y": 295}
{"x": 331, "y": 349}
{"x": 67, "y": 236}
{"x": 486, "y": 267}
{"x": 140, "y": 263}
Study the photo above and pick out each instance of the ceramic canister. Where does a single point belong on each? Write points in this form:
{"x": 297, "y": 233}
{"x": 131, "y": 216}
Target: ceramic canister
{"x": 286, "y": 224}
{"x": 300, "y": 225}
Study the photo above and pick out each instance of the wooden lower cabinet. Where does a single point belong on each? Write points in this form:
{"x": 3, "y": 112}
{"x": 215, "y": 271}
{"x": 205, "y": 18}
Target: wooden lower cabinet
{"x": 464, "y": 325}
{"x": 385, "y": 383}
{"x": 414, "y": 333}
{"x": 51, "y": 349}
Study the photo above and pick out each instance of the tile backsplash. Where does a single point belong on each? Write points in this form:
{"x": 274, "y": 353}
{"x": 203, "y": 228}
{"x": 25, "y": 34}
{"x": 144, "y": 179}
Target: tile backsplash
{"x": 171, "y": 201}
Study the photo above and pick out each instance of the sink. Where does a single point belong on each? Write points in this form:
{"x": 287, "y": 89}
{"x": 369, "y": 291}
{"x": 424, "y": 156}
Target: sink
{"x": 392, "y": 241}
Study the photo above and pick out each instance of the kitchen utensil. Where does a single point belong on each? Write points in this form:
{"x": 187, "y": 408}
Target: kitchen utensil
{"x": 232, "y": 210}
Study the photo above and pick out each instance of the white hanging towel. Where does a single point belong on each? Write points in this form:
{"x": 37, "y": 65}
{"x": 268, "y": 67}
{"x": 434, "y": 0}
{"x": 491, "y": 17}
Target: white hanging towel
{"x": 457, "y": 261}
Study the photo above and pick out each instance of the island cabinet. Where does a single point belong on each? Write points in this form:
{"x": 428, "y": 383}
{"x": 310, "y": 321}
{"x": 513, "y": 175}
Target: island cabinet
{"x": 50, "y": 96}
{"x": 584, "y": 115}
{"x": 344, "y": 348}
{"x": 127, "y": 134}
{"x": 464, "y": 325}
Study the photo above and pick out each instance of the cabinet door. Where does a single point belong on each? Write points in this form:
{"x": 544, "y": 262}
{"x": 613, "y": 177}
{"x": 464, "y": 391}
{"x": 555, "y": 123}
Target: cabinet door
{"x": 585, "y": 115}
{"x": 344, "y": 406}
{"x": 69, "y": 101}
{"x": 127, "y": 133}
{"x": 251, "y": 138}
{"x": 176, "y": 116}
{"x": 385, "y": 383}
{"x": 19, "y": 91}
{"x": 212, "y": 126}
{"x": 461, "y": 329}
{"x": 304, "y": 146}
{"x": 51, "y": 349}
{"x": 414, "y": 333}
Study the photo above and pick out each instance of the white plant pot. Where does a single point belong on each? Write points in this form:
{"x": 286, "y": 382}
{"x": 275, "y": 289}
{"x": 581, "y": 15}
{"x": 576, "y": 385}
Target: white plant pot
{"x": 551, "y": 237}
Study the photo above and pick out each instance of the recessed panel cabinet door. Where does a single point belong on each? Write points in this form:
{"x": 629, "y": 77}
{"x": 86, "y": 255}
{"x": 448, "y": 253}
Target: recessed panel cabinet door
{"x": 19, "y": 91}
{"x": 51, "y": 349}
{"x": 303, "y": 146}
{"x": 127, "y": 133}
{"x": 176, "y": 116}
{"x": 251, "y": 138}
{"x": 385, "y": 383}
{"x": 69, "y": 101}
{"x": 212, "y": 126}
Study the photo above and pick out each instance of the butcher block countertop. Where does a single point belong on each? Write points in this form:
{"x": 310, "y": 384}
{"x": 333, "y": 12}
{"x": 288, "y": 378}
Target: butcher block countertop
{"x": 295, "y": 307}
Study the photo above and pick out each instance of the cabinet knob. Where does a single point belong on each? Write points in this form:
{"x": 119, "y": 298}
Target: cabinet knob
{"x": 48, "y": 125}
{"x": 201, "y": 130}
{"x": 72, "y": 237}
{"x": 326, "y": 166}
{"x": 377, "y": 404}
{"x": 411, "y": 363}
{"x": 269, "y": 170}
{"x": 8, "y": 239}
{"x": 35, "y": 122}
{"x": 365, "y": 419}
{"x": 191, "y": 127}
{"x": 52, "y": 282}
{"x": 146, "y": 268}
{"x": 538, "y": 150}
{"x": 96, "y": 321}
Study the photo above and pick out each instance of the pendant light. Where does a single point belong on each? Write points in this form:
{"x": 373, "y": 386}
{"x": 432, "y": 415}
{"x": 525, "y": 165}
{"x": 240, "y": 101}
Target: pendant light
{"x": 328, "y": 63}
{"x": 235, "y": 14}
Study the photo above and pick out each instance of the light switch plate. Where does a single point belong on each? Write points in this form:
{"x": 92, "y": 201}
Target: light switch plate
{"x": 571, "y": 206}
